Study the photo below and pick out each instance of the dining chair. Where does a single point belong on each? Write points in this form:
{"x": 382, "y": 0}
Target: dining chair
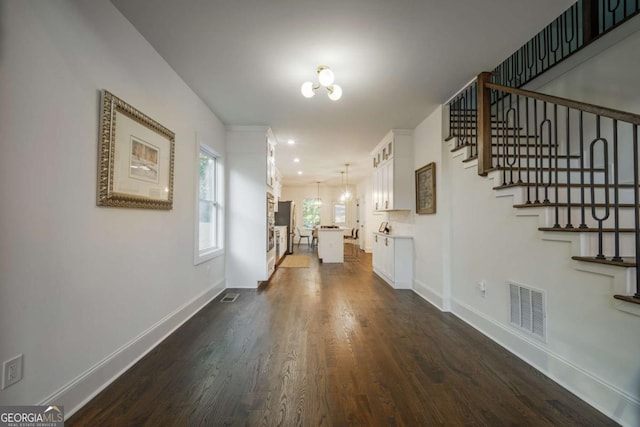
{"x": 303, "y": 236}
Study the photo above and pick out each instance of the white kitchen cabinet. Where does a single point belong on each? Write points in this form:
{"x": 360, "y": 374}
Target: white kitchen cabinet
{"x": 393, "y": 259}
{"x": 281, "y": 241}
{"x": 393, "y": 172}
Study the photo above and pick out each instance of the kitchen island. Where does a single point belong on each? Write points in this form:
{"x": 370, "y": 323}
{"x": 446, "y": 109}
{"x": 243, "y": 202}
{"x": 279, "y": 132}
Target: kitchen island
{"x": 331, "y": 245}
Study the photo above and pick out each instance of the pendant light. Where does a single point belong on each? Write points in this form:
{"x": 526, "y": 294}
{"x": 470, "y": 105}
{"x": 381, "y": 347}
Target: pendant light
{"x": 318, "y": 200}
{"x": 347, "y": 194}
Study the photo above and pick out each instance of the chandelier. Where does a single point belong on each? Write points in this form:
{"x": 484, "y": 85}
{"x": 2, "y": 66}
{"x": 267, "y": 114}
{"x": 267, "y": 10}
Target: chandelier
{"x": 325, "y": 78}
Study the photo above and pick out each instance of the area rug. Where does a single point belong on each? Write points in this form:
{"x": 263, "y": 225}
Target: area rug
{"x": 296, "y": 261}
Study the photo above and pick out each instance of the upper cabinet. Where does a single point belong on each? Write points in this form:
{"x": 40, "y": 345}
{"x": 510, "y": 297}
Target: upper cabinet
{"x": 392, "y": 178}
{"x": 271, "y": 159}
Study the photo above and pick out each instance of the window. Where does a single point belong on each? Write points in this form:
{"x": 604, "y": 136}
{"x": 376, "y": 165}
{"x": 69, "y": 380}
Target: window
{"x": 339, "y": 213}
{"x": 310, "y": 213}
{"x": 208, "y": 236}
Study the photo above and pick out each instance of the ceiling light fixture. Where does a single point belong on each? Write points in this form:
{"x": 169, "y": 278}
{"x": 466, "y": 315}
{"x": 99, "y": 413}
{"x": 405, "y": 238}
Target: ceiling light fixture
{"x": 291, "y": 142}
{"x": 296, "y": 160}
{"x": 346, "y": 195}
{"x": 318, "y": 199}
{"x": 326, "y": 79}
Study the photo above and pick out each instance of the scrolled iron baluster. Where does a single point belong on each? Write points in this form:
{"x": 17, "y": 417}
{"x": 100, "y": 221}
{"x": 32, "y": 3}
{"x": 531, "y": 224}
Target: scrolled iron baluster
{"x": 535, "y": 150}
{"x": 583, "y": 223}
{"x": 546, "y": 123}
{"x": 636, "y": 203}
{"x": 526, "y": 114}
{"x": 616, "y": 199}
{"x": 511, "y": 128}
{"x": 530, "y": 57}
{"x": 458, "y": 121}
{"x": 594, "y": 213}
{"x": 474, "y": 106}
{"x": 555, "y": 144}
{"x": 613, "y": 11}
{"x": 520, "y": 66}
{"x": 567, "y": 139}
{"x": 453, "y": 124}
{"x": 500, "y": 137}
{"x": 463, "y": 120}
{"x": 454, "y": 121}
{"x": 543, "y": 48}
{"x": 554, "y": 49}
{"x": 510, "y": 72}
{"x": 572, "y": 13}
{"x": 517, "y": 131}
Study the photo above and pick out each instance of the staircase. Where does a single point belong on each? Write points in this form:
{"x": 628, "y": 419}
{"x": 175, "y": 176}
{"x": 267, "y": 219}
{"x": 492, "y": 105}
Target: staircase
{"x": 577, "y": 163}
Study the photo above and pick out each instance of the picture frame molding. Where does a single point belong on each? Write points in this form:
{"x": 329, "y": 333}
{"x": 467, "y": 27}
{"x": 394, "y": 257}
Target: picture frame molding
{"x": 430, "y": 169}
{"x": 106, "y": 196}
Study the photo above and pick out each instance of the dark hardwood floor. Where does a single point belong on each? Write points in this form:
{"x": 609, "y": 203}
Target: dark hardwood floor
{"x": 331, "y": 345}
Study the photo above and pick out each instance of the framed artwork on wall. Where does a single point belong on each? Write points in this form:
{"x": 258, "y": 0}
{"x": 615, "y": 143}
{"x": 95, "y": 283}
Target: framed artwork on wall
{"x": 135, "y": 158}
{"x": 426, "y": 189}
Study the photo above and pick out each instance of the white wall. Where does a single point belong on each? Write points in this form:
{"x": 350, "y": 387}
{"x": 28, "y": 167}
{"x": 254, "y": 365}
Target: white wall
{"x": 86, "y": 290}
{"x": 431, "y": 231}
{"x": 247, "y": 201}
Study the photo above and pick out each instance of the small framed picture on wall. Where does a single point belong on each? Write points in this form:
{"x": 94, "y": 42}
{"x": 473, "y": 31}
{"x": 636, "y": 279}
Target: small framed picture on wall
{"x": 426, "y": 189}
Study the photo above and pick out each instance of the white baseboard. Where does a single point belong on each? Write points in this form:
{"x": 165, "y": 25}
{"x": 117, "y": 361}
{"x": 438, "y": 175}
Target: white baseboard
{"x": 78, "y": 392}
{"x": 608, "y": 399}
{"x": 428, "y": 295}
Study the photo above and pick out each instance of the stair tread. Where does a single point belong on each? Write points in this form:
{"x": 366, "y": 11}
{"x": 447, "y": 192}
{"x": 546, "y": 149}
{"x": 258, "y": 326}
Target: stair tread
{"x": 561, "y": 156}
{"x": 496, "y": 135}
{"x": 627, "y": 298}
{"x": 531, "y": 168}
{"x": 586, "y": 230}
{"x": 573, "y": 205}
{"x": 562, "y": 184}
{"x": 460, "y": 147}
{"x": 626, "y": 264}
{"x": 525, "y": 144}
{"x": 450, "y": 137}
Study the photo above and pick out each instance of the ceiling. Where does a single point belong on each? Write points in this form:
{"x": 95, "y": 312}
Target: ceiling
{"x": 396, "y": 61}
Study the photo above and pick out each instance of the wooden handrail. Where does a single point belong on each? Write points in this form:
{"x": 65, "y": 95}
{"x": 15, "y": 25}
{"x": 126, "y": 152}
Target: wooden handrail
{"x": 484, "y": 123}
{"x": 577, "y": 105}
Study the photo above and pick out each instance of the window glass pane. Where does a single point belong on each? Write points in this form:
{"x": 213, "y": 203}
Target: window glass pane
{"x": 310, "y": 213}
{"x": 207, "y": 204}
{"x": 207, "y": 177}
{"x": 339, "y": 213}
{"x": 207, "y": 230}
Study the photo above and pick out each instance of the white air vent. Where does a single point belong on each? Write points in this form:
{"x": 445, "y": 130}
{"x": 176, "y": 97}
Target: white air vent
{"x": 528, "y": 310}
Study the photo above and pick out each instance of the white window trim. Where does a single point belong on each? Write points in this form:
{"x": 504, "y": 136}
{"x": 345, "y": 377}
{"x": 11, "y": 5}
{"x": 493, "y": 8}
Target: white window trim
{"x": 333, "y": 213}
{"x": 206, "y": 255}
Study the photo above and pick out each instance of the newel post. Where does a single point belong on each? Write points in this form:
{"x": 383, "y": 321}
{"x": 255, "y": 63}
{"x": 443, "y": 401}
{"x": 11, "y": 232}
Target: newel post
{"x": 484, "y": 123}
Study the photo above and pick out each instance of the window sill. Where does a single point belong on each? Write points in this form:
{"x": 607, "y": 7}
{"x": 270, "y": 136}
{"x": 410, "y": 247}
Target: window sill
{"x": 209, "y": 255}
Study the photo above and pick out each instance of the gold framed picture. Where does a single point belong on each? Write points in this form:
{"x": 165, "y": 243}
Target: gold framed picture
{"x": 135, "y": 158}
{"x": 426, "y": 189}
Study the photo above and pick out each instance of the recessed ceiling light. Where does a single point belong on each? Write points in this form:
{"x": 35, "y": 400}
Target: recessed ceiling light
{"x": 291, "y": 142}
{"x": 299, "y": 172}
{"x": 296, "y": 160}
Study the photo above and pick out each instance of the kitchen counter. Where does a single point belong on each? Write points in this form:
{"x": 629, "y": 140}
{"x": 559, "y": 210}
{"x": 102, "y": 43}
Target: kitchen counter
{"x": 331, "y": 245}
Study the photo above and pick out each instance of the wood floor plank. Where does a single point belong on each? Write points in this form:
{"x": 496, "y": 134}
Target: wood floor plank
{"x": 331, "y": 345}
